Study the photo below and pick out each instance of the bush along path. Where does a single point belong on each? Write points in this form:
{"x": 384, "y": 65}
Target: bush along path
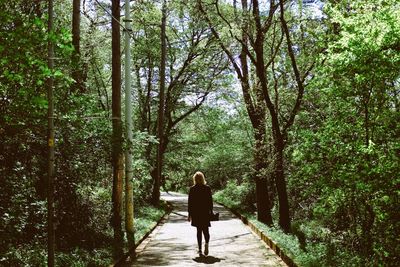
{"x": 173, "y": 242}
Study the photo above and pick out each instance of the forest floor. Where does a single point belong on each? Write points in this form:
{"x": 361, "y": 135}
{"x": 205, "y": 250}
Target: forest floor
{"x": 173, "y": 242}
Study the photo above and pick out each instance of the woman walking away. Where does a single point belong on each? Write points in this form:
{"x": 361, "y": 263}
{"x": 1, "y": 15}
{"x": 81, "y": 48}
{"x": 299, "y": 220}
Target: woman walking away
{"x": 200, "y": 208}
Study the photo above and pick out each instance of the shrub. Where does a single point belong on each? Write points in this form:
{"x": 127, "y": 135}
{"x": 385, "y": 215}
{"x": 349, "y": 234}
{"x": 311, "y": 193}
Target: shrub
{"x": 236, "y": 196}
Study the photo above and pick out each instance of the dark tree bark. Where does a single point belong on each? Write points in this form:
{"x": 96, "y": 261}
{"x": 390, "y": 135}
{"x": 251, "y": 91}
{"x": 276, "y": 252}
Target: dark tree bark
{"x": 76, "y": 20}
{"x": 50, "y": 143}
{"x": 256, "y": 112}
{"x": 284, "y": 218}
{"x": 279, "y": 143}
{"x": 117, "y": 154}
{"x": 260, "y": 164}
{"x": 79, "y": 72}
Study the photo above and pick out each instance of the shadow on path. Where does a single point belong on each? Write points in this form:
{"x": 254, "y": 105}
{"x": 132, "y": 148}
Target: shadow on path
{"x": 173, "y": 243}
{"x": 207, "y": 259}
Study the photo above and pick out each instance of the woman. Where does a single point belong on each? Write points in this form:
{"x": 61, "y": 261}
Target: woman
{"x": 200, "y": 208}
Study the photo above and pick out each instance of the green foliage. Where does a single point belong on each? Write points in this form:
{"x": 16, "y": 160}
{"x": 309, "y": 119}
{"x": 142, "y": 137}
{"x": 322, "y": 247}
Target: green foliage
{"x": 80, "y": 142}
{"x": 344, "y": 152}
{"x": 25, "y": 255}
{"x": 23, "y": 104}
{"x": 237, "y": 197}
{"x": 142, "y": 181}
{"x": 145, "y": 219}
{"x": 213, "y": 142}
{"x": 82, "y": 258}
{"x": 289, "y": 244}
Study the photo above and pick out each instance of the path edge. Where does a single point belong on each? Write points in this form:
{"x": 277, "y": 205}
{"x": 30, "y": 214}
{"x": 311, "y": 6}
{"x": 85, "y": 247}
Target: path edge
{"x": 273, "y": 245}
{"x": 126, "y": 255}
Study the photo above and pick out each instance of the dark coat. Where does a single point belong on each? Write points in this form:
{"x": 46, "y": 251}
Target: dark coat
{"x": 200, "y": 205}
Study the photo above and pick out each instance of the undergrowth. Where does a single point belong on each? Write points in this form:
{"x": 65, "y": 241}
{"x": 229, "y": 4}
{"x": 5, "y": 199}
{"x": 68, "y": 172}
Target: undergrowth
{"x": 310, "y": 255}
{"x": 35, "y": 253}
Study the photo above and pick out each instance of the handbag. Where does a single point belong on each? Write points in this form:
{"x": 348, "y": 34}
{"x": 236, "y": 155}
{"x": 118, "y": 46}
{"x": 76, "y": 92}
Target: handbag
{"x": 214, "y": 216}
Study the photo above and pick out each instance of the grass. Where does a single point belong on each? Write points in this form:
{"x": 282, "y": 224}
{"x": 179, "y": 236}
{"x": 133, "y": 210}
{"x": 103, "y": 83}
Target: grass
{"x": 310, "y": 256}
{"x": 146, "y": 219}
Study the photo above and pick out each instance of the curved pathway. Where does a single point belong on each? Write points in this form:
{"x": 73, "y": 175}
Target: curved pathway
{"x": 173, "y": 242}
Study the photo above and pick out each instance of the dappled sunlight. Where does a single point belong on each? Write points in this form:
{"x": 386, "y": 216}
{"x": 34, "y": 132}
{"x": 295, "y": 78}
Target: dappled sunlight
{"x": 174, "y": 243}
{"x": 287, "y": 111}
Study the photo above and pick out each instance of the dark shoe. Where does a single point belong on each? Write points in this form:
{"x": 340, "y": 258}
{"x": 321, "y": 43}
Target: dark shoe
{"x": 206, "y": 249}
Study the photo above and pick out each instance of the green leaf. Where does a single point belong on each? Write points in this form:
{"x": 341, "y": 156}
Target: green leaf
{"x": 40, "y": 102}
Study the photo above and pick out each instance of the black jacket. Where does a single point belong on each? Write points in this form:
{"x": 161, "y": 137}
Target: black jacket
{"x": 200, "y": 205}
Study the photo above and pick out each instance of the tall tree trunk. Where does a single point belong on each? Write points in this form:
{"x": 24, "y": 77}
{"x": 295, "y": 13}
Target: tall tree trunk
{"x": 279, "y": 145}
{"x": 284, "y": 216}
{"x": 256, "y": 112}
{"x": 160, "y": 124}
{"x": 76, "y": 19}
{"x": 129, "y": 205}
{"x": 367, "y": 221}
{"x": 117, "y": 155}
{"x": 78, "y": 72}
{"x": 51, "y": 140}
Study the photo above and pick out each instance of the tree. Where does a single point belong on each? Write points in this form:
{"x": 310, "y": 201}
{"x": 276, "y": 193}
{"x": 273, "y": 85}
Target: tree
{"x": 262, "y": 50}
{"x": 278, "y": 135}
{"x": 346, "y": 136}
{"x": 280, "y": 125}
{"x": 161, "y": 105}
{"x": 117, "y": 154}
{"x": 255, "y": 110}
{"x": 79, "y": 73}
{"x": 192, "y": 72}
{"x": 24, "y": 108}
{"x": 129, "y": 205}
{"x": 51, "y": 143}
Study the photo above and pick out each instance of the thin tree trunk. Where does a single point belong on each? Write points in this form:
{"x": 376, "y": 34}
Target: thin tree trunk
{"x": 51, "y": 134}
{"x": 78, "y": 72}
{"x": 147, "y": 102}
{"x": 117, "y": 155}
{"x": 160, "y": 124}
{"x": 129, "y": 205}
{"x": 367, "y": 221}
{"x": 76, "y": 19}
{"x": 284, "y": 216}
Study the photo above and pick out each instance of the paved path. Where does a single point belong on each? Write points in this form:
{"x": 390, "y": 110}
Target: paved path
{"x": 173, "y": 242}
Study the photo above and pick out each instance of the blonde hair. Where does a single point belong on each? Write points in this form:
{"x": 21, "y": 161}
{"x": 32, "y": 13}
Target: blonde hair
{"x": 198, "y": 178}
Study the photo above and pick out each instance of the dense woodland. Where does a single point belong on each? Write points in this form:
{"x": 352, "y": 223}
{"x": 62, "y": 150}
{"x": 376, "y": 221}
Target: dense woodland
{"x": 290, "y": 108}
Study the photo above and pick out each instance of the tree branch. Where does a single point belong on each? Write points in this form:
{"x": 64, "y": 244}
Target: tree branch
{"x": 295, "y": 68}
{"x": 190, "y": 111}
{"x": 221, "y": 44}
